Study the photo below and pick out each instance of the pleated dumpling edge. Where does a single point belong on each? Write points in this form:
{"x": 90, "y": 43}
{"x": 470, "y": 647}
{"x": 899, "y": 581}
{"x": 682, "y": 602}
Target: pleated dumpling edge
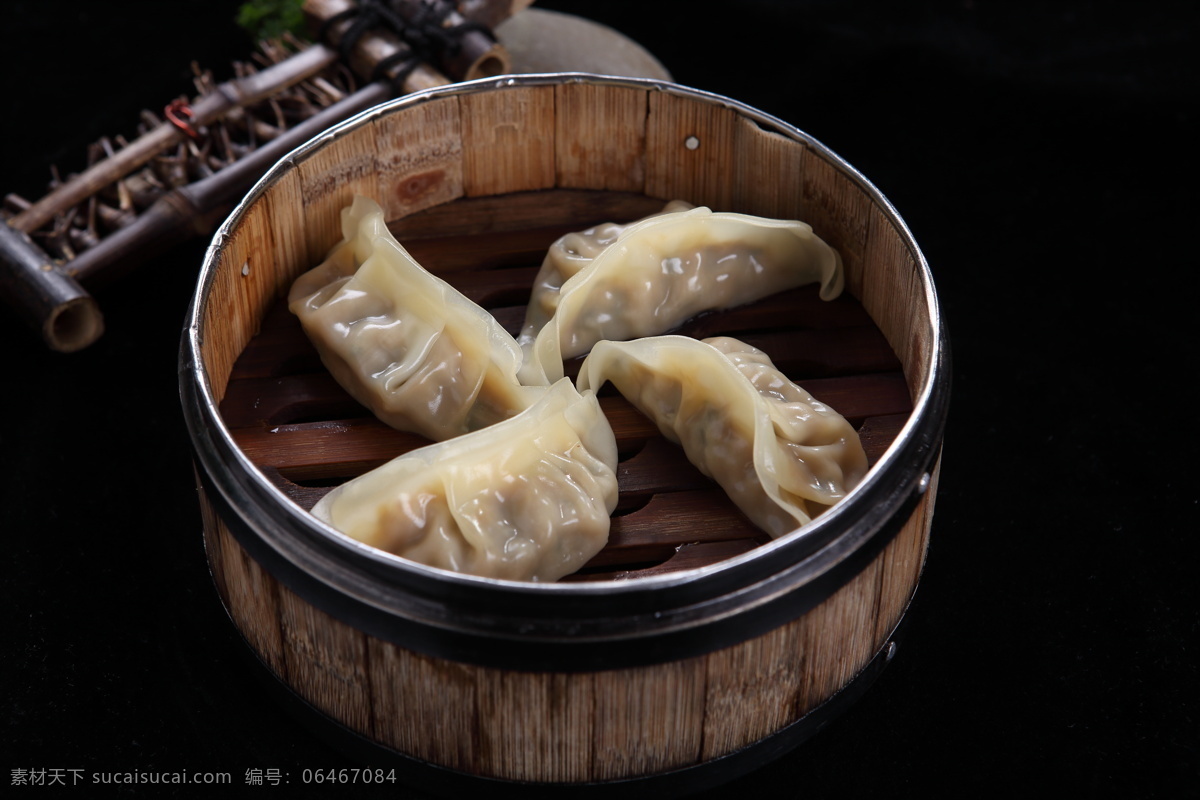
{"x": 527, "y": 499}
{"x": 661, "y": 271}
{"x": 402, "y": 341}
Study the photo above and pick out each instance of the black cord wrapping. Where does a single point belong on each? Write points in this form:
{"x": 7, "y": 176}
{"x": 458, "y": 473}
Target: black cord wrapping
{"x": 425, "y": 35}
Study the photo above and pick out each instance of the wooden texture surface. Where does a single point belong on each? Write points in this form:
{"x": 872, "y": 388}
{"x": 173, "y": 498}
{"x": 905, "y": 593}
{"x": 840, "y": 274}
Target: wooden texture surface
{"x": 579, "y": 726}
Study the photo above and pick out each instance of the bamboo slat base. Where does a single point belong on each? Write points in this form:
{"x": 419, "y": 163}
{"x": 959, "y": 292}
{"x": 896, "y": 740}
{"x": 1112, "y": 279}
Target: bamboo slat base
{"x": 307, "y": 434}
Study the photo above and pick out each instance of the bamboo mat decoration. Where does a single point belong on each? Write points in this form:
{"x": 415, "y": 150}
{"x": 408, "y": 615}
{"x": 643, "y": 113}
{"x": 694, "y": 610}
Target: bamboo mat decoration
{"x": 191, "y": 162}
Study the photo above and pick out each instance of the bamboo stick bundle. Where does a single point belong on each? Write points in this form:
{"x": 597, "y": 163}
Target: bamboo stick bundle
{"x": 208, "y": 109}
{"x": 210, "y": 147}
{"x": 187, "y": 168}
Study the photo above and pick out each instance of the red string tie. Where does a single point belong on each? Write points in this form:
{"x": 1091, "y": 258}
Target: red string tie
{"x": 178, "y": 112}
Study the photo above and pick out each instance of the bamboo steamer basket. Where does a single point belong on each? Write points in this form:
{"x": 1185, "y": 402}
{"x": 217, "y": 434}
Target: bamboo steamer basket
{"x": 694, "y": 648}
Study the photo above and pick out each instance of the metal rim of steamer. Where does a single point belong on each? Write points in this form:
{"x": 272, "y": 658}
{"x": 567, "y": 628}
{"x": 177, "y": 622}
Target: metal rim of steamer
{"x": 571, "y": 626}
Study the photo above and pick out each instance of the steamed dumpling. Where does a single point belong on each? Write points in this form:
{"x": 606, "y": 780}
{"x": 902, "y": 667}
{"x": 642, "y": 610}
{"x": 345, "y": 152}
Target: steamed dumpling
{"x": 781, "y": 455}
{"x": 403, "y": 342}
{"x": 528, "y": 498}
{"x": 570, "y": 254}
{"x": 624, "y": 282}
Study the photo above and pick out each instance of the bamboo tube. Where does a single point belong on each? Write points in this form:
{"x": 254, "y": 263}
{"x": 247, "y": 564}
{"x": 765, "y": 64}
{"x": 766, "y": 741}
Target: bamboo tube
{"x": 476, "y": 54}
{"x": 52, "y": 303}
{"x": 373, "y": 48}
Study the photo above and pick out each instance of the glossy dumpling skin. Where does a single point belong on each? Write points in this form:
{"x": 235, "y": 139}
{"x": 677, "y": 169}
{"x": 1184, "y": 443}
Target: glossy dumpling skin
{"x": 403, "y": 342}
{"x": 567, "y": 256}
{"x": 526, "y": 499}
{"x": 781, "y": 455}
{"x": 655, "y": 274}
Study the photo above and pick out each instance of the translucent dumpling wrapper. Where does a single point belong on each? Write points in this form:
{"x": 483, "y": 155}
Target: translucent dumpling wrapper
{"x": 781, "y": 455}
{"x": 624, "y": 282}
{"x": 403, "y": 342}
{"x": 526, "y": 499}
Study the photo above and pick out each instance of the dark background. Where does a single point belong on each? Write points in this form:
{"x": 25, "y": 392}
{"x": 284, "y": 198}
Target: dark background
{"x": 1038, "y": 152}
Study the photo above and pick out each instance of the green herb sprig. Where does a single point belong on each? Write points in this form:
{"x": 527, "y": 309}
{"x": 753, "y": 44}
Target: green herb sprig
{"x": 271, "y": 19}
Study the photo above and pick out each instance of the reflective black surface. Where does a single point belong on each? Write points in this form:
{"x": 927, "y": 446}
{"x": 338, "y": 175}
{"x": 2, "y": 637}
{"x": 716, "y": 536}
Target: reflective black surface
{"x": 1038, "y": 153}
